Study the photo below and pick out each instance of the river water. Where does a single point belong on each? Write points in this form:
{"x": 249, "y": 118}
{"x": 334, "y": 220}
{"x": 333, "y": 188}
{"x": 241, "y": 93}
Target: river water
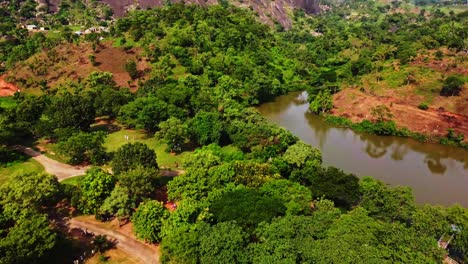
{"x": 437, "y": 174}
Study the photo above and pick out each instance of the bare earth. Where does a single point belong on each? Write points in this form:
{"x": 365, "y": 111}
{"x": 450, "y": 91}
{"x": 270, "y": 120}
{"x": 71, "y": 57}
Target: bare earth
{"x": 147, "y": 253}
{"x": 7, "y": 89}
{"x": 60, "y": 170}
{"x": 356, "y": 105}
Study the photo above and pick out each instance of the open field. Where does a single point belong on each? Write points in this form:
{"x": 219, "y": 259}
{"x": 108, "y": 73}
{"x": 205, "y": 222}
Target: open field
{"x": 73, "y": 181}
{"x": 18, "y": 168}
{"x": 117, "y": 139}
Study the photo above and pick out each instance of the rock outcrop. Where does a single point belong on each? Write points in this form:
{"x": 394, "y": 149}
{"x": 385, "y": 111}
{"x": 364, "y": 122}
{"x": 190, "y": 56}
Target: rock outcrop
{"x": 269, "y": 11}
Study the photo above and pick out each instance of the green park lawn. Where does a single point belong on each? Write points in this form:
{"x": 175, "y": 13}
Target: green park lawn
{"x": 73, "y": 181}
{"x": 18, "y": 168}
{"x": 167, "y": 160}
{"x": 7, "y": 102}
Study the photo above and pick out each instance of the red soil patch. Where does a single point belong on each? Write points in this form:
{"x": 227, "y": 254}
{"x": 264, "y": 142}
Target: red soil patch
{"x": 7, "y": 89}
{"x": 113, "y": 60}
{"x": 357, "y": 106}
{"x": 71, "y": 62}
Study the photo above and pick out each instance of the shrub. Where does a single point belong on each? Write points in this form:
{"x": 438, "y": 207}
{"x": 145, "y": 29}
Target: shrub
{"x": 452, "y": 86}
{"x": 92, "y": 59}
{"x": 423, "y": 106}
{"x": 131, "y": 68}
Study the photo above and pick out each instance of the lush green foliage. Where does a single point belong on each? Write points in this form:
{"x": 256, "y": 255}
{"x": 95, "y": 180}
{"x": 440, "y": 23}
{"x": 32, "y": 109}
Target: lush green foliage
{"x": 321, "y": 103}
{"x": 96, "y": 186}
{"x": 453, "y": 85}
{"x": 132, "y": 155}
{"x": 81, "y": 147}
{"x": 28, "y": 191}
{"x": 251, "y": 193}
{"x": 147, "y": 220}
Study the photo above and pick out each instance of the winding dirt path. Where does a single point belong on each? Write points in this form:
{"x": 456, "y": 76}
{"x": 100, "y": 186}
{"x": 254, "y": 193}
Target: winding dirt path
{"x": 61, "y": 170}
{"x": 146, "y": 253}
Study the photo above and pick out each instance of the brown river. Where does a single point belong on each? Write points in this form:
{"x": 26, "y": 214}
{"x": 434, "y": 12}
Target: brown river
{"x": 437, "y": 174}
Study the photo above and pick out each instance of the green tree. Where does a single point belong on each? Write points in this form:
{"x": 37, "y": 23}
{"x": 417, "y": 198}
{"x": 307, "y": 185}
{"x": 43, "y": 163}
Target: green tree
{"x": 132, "y": 155}
{"x": 430, "y": 221}
{"x": 82, "y": 147}
{"x": 118, "y": 204}
{"x": 223, "y": 243}
{"x": 207, "y": 127}
{"x": 92, "y": 59}
{"x": 99, "y": 79}
{"x": 147, "y": 220}
{"x": 96, "y": 186}
{"x": 174, "y": 133}
{"x": 301, "y": 153}
{"x": 386, "y": 203}
{"x": 381, "y": 113}
{"x": 29, "y": 240}
{"x": 321, "y": 103}
{"x": 181, "y": 245}
{"x": 139, "y": 182}
{"x": 108, "y": 100}
{"x": 131, "y": 68}
{"x": 453, "y": 85}
{"x": 33, "y": 190}
{"x": 247, "y": 207}
{"x": 144, "y": 112}
{"x": 71, "y": 110}
{"x": 332, "y": 183}
{"x": 295, "y": 197}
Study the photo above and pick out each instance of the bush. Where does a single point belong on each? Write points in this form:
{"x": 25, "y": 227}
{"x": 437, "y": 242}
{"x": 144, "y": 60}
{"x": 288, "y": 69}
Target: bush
{"x": 92, "y": 59}
{"x": 453, "y": 85}
{"x": 423, "y": 106}
{"x": 7, "y": 156}
{"x": 131, "y": 68}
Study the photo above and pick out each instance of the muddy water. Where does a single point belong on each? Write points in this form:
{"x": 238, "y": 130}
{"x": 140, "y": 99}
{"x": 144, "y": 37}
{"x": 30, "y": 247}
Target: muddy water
{"x": 438, "y": 174}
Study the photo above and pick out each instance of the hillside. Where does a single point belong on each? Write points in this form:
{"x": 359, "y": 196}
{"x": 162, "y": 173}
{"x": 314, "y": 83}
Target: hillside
{"x": 278, "y": 11}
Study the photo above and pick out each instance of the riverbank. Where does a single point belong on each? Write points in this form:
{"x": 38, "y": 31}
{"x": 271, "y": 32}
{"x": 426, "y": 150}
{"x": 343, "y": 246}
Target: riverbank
{"x": 438, "y": 174}
{"x": 434, "y": 122}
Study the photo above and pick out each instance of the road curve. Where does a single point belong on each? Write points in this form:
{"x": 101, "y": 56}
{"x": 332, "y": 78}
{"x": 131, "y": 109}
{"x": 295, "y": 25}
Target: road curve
{"x": 61, "y": 170}
{"x": 147, "y": 254}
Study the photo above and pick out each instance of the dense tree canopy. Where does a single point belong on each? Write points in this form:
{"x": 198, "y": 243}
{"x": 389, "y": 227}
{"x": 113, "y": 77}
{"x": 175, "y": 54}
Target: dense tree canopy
{"x": 251, "y": 192}
{"x": 132, "y": 155}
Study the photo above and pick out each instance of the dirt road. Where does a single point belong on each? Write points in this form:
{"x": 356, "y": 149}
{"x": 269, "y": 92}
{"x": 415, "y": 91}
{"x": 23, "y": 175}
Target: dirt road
{"x": 146, "y": 253}
{"x": 61, "y": 170}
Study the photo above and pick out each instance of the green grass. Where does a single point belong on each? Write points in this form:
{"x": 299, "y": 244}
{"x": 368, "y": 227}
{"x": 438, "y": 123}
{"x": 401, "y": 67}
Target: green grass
{"x": 18, "y": 168}
{"x": 128, "y": 42}
{"x": 116, "y": 140}
{"x": 76, "y": 27}
{"x": 7, "y": 102}
{"x": 455, "y": 9}
{"x": 73, "y": 181}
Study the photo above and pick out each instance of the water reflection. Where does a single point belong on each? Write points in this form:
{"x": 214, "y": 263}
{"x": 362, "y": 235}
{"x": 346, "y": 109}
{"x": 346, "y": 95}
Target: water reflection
{"x": 437, "y": 173}
{"x": 375, "y": 149}
{"x": 435, "y": 164}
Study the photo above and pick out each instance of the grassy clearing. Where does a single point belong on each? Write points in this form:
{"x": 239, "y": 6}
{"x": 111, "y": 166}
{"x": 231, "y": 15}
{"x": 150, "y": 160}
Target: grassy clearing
{"x": 129, "y": 42}
{"x": 456, "y": 9}
{"x": 7, "y": 102}
{"x": 114, "y": 256}
{"x": 19, "y": 168}
{"x": 74, "y": 180}
{"x": 117, "y": 139}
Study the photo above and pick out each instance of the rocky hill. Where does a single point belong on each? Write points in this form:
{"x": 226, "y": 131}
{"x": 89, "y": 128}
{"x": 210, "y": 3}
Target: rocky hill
{"x": 269, "y": 11}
